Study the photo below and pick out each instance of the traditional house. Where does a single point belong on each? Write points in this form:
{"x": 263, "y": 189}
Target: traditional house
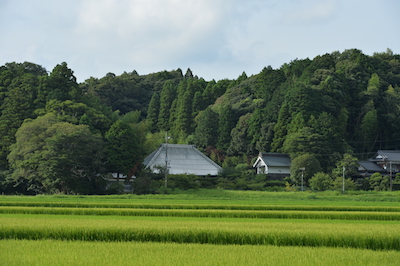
{"x": 384, "y": 161}
{"x": 276, "y": 165}
{"x": 181, "y": 159}
{"x": 367, "y": 168}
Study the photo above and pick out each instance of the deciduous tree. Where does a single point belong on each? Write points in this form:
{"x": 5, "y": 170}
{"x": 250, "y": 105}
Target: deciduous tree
{"x": 320, "y": 181}
{"x": 51, "y": 156}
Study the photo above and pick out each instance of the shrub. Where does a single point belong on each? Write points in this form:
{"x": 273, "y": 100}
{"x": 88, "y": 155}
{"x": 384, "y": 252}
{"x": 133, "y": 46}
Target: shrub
{"x": 379, "y": 182}
{"x": 241, "y": 184}
{"x": 320, "y": 182}
{"x": 115, "y": 188}
{"x": 349, "y": 184}
{"x": 289, "y": 187}
{"x": 147, "y": 182}
{"x": 183, "y": 181}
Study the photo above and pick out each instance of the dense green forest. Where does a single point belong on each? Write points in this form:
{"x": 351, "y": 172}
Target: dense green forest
{"x": 60, "y": 136}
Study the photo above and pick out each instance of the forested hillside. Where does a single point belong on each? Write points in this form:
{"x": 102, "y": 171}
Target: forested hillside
{"x": 335, "y": 104}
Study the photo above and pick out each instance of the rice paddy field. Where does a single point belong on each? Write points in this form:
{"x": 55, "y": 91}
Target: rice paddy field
{"x": 204, "y": 227}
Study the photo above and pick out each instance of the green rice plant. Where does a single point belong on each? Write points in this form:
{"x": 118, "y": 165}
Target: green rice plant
{"x": 375, "y": 236}
{"x": 24, "y": 252}
{"x": 382, "y": 216}
{"x": 202, "y": 206}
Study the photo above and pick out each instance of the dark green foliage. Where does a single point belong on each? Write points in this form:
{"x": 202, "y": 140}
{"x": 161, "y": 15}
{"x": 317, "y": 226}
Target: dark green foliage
{"x": 147, "y": 182}
{"x": 154, "y": 110}
{"x": 168, "y": 95}
{"x": 268, "y": 82}
{"x": 124, "y": 149}
{"x": 61, "y": 84}
{"x": 350, "y": 164}
{"x": 305, "y": 166}
{"x": 240, "y": 143}
{"x": 188, "y": 74}
{"x": 242, "y": 177}
{"x": 198, "y": 103}
{"x": 183, "y": 181}
{"x": 77, "y": 113}
{"x": 206, "y": 128}
{"x": 225, "y": 125}
{"x": 129, "y": 91}
{"x": 51, "y": 156}
{"x": 214, "y": 90}
{"x": 184, "y": 107}
{"x": 19, "y": 91}
{"x": 320, "y": 182}
{"x": 379, "y": 182}
{"x": 343, "y": 102}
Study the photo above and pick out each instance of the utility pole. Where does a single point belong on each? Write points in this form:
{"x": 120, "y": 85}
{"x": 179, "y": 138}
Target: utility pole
{"x": 344, "y": 168}
{"x": 302, "y": 177}
{"x": 391, "y": 180}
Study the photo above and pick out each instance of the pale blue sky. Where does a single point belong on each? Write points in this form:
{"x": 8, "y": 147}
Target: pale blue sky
{"x": 216, "y": 38}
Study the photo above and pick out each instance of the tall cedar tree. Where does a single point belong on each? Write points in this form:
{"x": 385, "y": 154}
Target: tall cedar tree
{"x": 123, "y": 153}
{"x": 168, "y": 95}
{"x": 153, "y": 111}
{"x": 206, "y": 129}
{"x": 225, "y": 126}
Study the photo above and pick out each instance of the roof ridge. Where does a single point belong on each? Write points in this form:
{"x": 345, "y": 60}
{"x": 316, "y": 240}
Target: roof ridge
{"x": 156, "y": 153}
{"x": 206, "y": 157}
{"x": 382, "y": 153}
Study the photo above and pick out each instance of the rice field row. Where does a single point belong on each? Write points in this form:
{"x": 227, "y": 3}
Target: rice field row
{"x": 201, "y": 206}
{"x": 365, "y": 235}
{"x": 25, "y": 252}
{"x": 353, "y": 215}
{"x": 235, "y": 228}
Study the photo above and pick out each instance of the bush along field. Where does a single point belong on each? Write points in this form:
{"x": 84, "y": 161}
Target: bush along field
{"x": 303, "y": 231}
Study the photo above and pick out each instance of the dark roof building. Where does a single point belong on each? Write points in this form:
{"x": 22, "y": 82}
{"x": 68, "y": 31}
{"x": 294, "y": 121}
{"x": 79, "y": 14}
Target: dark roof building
{"x": 275, "y": 164}
{"x": 182, "y": 159}
{"x": 384, "y": 162}
{"x": 367, "y": 168}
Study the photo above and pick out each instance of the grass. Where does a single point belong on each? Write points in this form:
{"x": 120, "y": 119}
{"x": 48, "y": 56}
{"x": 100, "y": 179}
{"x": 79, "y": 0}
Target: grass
{"x": 215, "y": 196}
{"x": 53, "y": 252}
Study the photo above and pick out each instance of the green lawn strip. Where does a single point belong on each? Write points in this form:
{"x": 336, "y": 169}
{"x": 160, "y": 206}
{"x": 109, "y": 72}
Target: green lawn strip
{"x": 24, "y": 252}
{"x": 368, "y": 235}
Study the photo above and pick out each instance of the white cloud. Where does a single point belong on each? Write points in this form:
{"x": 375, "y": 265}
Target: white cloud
{"x": 150, "y": 32}
{"x": 310, "y": 12}
{"x": 215, "y": 38}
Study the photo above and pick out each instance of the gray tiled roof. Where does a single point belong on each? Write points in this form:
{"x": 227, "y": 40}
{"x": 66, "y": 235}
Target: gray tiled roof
{"x": 389, "y": 155}
{"x": 276, "y": 159}
{"x": 182, "y": 159}
{"x": 371, "y": 166}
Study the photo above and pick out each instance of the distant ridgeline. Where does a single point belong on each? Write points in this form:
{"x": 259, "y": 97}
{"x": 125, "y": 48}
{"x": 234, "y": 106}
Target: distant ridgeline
{"x": 343, "y": 102}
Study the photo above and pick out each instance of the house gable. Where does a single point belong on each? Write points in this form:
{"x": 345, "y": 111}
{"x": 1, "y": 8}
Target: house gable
{"x": 182, "y": 159}
{"x": 273, "y": 164}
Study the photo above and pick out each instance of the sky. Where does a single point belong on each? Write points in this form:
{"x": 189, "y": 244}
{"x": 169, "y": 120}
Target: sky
{"x": 216, "y": 39}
